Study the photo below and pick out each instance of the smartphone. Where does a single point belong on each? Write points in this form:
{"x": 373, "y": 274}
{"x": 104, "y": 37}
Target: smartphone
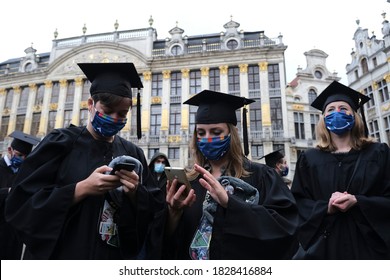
{"x": 125, "y": 166}
{"x": 179, "y": 174}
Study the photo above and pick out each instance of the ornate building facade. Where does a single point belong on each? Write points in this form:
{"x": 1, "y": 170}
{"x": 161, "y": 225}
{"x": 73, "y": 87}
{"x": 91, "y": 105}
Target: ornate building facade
{"x": 40, "y": 92}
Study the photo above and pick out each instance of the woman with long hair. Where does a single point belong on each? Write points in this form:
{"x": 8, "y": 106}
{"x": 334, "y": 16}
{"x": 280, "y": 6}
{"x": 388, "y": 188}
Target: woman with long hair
{"x": 342, "y": 187}
{"x": 236, "y": 209}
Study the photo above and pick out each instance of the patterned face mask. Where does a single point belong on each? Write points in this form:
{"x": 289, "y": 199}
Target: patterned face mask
{"x": 214, "y": 148}
{"x": 106, "y": 126}
{"x": 339, "y": 122}
{"x": 159, "y": 167}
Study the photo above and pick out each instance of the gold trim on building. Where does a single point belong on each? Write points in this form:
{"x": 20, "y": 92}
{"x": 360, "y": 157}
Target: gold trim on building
{"x": 243, "y": 68}
{"x": 185, "y": 72}
{"x": 53, "y": 106}
{"x": 166, "y": 74}
{"x": 263, "y": 65}
{"x": 17, "y": 89}
{"x": 155, "y": 100}
{"x": 78, "y": 81}
{"x": 48, "y": 84}
{"x": 63, "y": 83}
{"x": 204, "y": 71}
{"x": 2, "y": 91}
{"x": 6, "y": 111}
{"x": 84, "y": 105}
{"x": 298, "y": 107}
{"x": 223, "y": 69}
{"x": 266, "y": 114}
{"x": 147, "y": 75}
{"x": 37, "y": 108}
{"x": 174, "y": 139}
{"x": 32, "y": 86}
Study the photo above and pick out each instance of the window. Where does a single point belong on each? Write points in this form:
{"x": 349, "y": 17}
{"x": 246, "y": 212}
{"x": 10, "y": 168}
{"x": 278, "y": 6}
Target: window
{"x": 176, "y": 50}
{"x": 232, "y": 44}
{"x": 356, "y": 74}
{"x": 383, "y": 91}
{"x": 176, "y": 85}
{"x": 152, "y": 152}
{"x": 312, "y": 95}
{"x": 276, "y": 113}
{"x": 364, "y": 66}
{"x": 28, "y": 67}
{"x": 4, "y": 127}
{"x": 39, "y": 95}
{"x": 234, "y": 80}
{"x": 52, "y": 120}
{"x": 299, "y": 125}
{"x": 273, "y": 76}
{"x": 157, "y": 82}
{"x": 375, "y": 62}
{"x": 20, "y": 122}
{"x": 175, "y": 119}
{"x": 214, "y": 80}
{"x": 133, "y": 126}
{"x": 70, "y": 92}
{"x": 8, "y": 99}
{"x": 36, "y": 118}
{"x": 85, "y": 94}
{"x": 173, "y": 153}
{"x": 195, "y": 82}
{"x": 314, "y": 118}
{"x": 55, "y": 93}
{"x": 255, "y": 116}
{"x": 67, "y": 118}
{"x": 318, "y": 74}
{"x": 374, "y": 130}
{"x": 253, "y": 81}
{"x": 23, "y": 101}
{"x": 193, "y": 110}
{"x": 370, "y": 94}
{"x": 386, "y": 121}
{"x": 83, "y": 117}
{"x": 257, "y": 151}
{"x": 155, "y": 120}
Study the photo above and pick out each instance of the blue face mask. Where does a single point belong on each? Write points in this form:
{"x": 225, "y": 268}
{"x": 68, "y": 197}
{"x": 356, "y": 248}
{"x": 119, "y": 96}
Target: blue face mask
{"x": 16, "y": 161}
{"x": 159, "y": 167}
{"x": 214, "y": 148}
{"x": 339, "y": 122}
{"x": 284, "y": 171}
{"x": 106, "y": 126}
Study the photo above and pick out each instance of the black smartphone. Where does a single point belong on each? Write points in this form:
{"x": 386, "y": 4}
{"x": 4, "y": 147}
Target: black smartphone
{"x": 125, "y": 166}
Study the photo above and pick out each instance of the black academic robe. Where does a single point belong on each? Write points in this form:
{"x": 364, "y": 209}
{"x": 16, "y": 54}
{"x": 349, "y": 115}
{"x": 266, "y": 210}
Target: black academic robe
{"x": 243, "y": 231}
{"x": 41, "y": 208}
{"x": 10, "y": 245}
{"x": 362, "y": 232}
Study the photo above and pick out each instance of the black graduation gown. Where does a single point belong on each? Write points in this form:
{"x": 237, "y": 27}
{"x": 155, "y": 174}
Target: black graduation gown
{"x": 10, "y": 245}
{"x": 363, "y": 232}
{"x": 243, "y": 231}
{"x": 40, "y": 205}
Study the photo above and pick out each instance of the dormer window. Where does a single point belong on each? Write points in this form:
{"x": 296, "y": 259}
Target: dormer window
{"x": 28, "y": 67}
{"x": 176, "y": 50}
{"x": 232, "y": 44}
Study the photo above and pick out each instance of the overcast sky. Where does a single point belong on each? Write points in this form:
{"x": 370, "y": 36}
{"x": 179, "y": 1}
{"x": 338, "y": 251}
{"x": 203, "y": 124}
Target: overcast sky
{"x": 305, "y": 24}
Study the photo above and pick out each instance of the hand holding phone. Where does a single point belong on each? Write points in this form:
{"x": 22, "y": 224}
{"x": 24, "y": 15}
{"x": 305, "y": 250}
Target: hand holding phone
{"x": 120, "y": 166}
{"x": 179, "y": 174}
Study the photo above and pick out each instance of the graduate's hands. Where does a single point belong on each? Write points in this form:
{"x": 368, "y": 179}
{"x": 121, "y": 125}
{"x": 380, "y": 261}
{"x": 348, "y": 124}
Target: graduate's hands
{"x": 97, "y": 183}
{"x": 341, "y": 202}
{"x": 176, "y": 197}
{"x": 216, "y": 190}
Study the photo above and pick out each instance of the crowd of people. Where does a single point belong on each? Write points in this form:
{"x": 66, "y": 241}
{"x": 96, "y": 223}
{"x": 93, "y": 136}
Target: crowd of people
{"x": 62, "y": 199}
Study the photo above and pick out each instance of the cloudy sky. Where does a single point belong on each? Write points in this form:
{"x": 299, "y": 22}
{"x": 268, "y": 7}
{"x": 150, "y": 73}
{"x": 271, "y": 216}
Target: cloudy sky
{"x": 305, "y": 24}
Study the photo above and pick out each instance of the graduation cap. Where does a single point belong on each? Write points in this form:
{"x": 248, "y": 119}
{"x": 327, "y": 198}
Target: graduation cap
{"x": 114, "y": 78}
{"x": 339, "y": 92}
{"x": 218, "y": 107}
{"x": 272, "y": 158}
{"x": 23, "y": 142}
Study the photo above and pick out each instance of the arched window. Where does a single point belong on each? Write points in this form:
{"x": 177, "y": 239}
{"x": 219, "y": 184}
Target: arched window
{"x": 364, "y": 66}
{"x": 312, "y": 94}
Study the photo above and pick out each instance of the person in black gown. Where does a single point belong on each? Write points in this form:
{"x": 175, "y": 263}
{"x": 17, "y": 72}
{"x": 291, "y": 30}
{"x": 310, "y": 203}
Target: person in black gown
{"x": 62, "y": 202}
{"x": 21, "y": 145}
{"x": 342, "y": 187}
{"x": 241, "y": 227}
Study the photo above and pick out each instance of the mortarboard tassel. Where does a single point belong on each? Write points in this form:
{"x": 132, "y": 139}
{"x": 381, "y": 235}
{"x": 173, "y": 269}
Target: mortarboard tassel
{"x": 245, "y": 131}
{"x": 139, "y": 134}
{"x": 364, "y": 121}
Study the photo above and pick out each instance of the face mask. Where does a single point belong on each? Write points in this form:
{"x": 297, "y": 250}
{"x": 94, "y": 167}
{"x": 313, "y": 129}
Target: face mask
{"x": 16, "y": 161}
{"x": 159, "y": 167}
{"x": 214, "y": 148}
{"x": 284, "y": 171}
{"x": 339, "y": 122}
{"x": 106, "y": 126}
